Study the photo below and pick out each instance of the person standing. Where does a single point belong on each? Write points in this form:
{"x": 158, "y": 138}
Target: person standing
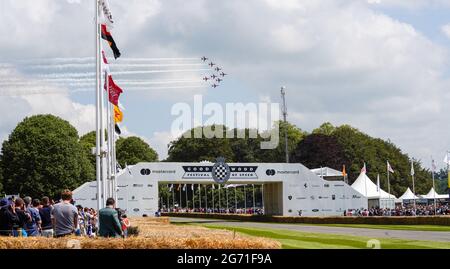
{"x": 46, "y": 218}
{"x": 34, "y": 226}
{"x": 24, "y": 218}
{"x": 65, "y": 215}
{"x": 109, "y": 220}
{"x": 8, "y": 217}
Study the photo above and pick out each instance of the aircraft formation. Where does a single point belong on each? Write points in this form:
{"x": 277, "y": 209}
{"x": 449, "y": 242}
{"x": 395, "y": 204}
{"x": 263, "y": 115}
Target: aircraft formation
{"x": 217, "y": 77}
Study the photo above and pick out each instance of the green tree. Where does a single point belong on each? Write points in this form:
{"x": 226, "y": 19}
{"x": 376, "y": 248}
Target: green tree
{"x": 325, "y": 129}
{"x": 356, "y": 148}
{"x": 88, "y": 142}
{"x": 1, "y": 180}
{"x": 200, "y": 149}
{"x": 43, "y": 156}
{"x": 441, "y": 180}
{"x": 318, "y": 150}
{"x": 133, "y": 150}
{"x": 278, "y": 155}
{"x": 242, "y": 147}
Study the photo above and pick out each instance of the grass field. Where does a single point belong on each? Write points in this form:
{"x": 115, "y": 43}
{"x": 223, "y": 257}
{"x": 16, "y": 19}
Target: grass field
{"x": 301, "y": 240}
{"x": 425, "y": 228}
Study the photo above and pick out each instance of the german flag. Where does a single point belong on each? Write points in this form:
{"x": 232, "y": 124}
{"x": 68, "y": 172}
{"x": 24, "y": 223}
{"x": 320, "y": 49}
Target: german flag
{"x": 106, "y": 35}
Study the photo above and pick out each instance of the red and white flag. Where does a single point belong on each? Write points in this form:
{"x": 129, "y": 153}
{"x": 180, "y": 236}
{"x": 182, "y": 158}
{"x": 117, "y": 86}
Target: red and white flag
{"x": 114, "y": 91}
{"x": 105, "y": 63}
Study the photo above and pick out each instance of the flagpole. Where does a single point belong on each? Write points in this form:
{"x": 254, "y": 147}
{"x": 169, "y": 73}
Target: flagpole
{"x": 389, "y": 183}
{"x": 108, "y": 132}
{"x": 200, "y": 198}
{"x": 103, "y": 146}
{"x": 114, "y": 159}
{"x": 181, "y": 202}
{"x": 448, "y": 174}
{"x": 220, "y": 202}
{"x": 193, "y": 196}
{"x": 187, "y": 204}
{"x": 245, "y": 200}
{"x": 214, "y": 210}
{"x": 262, "y": 199}
{"x": 434, "y": 186}
{"x": 414, "y": 187}
{"x": 235, "y": 199}
{"x": 98, "y": 158}
{"x": 226, "y": 193}
{"x": 206, "y": 198}
{"x": 253, "y": 198}
{"x": 168, "y": 203}
{"x": 173, "y": 198}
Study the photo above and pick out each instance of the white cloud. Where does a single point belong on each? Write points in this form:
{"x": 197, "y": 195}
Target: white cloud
{"x": 46, "y": 99}
{"x": 160, "y": 142}
{"x": 342, "y": 61}
{"x": 410, "y": 4}
{"x": 446, "y": 30}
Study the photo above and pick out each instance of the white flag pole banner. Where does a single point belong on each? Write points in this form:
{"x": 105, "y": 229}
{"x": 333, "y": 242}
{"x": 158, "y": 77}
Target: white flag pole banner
{"x": 106, "y": 16}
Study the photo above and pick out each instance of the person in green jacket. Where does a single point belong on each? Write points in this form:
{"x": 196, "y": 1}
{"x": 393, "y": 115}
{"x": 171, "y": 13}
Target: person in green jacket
{"x": 109, "y": 220}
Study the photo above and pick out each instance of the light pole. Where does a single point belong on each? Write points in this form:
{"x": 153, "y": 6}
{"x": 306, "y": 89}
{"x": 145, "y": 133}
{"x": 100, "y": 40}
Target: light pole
{"x": 283, "y": 97}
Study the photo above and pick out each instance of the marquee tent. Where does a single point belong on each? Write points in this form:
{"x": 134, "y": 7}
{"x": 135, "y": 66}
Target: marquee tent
{"x": 380, "y": 198}
{"x": 432, "y": 194}
{"x": 408, "y": 195}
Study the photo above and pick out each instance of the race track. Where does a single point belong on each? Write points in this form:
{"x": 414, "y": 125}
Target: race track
{"x": 375, "y": 233}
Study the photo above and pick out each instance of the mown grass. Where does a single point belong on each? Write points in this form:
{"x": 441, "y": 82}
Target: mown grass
{"x": 302, "y": 240}
{"x": 424, "y": 228}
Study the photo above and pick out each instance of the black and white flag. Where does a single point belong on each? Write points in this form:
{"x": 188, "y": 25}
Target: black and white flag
{"x": 105, "y": 13}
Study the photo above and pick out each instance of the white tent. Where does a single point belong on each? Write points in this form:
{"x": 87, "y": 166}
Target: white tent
{"x": 408, "y": 195}
{"x": 327, "y": 172}
{"x": 376, "y": 197}
{"x": 432, "y": 194}
{"x": 365, "y": 186}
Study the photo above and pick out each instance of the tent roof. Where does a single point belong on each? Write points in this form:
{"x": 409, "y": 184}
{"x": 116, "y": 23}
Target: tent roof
{"x": 364, "y": 183}
{"x": 408, "y": 195}
{"x": 327, "y": 172}
{"x": 433, "y": 194}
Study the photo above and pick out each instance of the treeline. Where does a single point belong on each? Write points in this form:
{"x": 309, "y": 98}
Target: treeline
{"x": 326, "y": 146}
{"x": 44, "y": 155}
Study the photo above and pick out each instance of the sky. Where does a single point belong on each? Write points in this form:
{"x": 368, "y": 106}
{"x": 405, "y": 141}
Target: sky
{"x": 381, "y": 66}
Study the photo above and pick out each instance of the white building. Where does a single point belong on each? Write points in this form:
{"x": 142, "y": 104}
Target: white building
{"x": 288, "y": 188}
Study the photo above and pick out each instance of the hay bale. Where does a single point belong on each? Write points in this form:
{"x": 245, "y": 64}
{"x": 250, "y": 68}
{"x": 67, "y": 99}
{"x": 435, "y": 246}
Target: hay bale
{"x": 151, "y": 234}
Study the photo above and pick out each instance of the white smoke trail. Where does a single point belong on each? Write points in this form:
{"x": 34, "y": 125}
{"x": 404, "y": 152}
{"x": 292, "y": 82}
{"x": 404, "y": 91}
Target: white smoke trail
{"x": 145, "y": 88}
{"x": 92, "y": 83}
{"x": 116, "y": 66}
{"x": 92, "y": 59}
{"x": 135, "y": 72}
{"x": 19, "y": 91}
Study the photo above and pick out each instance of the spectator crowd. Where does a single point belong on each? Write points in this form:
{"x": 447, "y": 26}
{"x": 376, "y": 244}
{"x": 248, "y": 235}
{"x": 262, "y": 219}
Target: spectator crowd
{"x": 409, "y": 210}
{"x": 240, "y": 211}
{"x": 33, "y": 217}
